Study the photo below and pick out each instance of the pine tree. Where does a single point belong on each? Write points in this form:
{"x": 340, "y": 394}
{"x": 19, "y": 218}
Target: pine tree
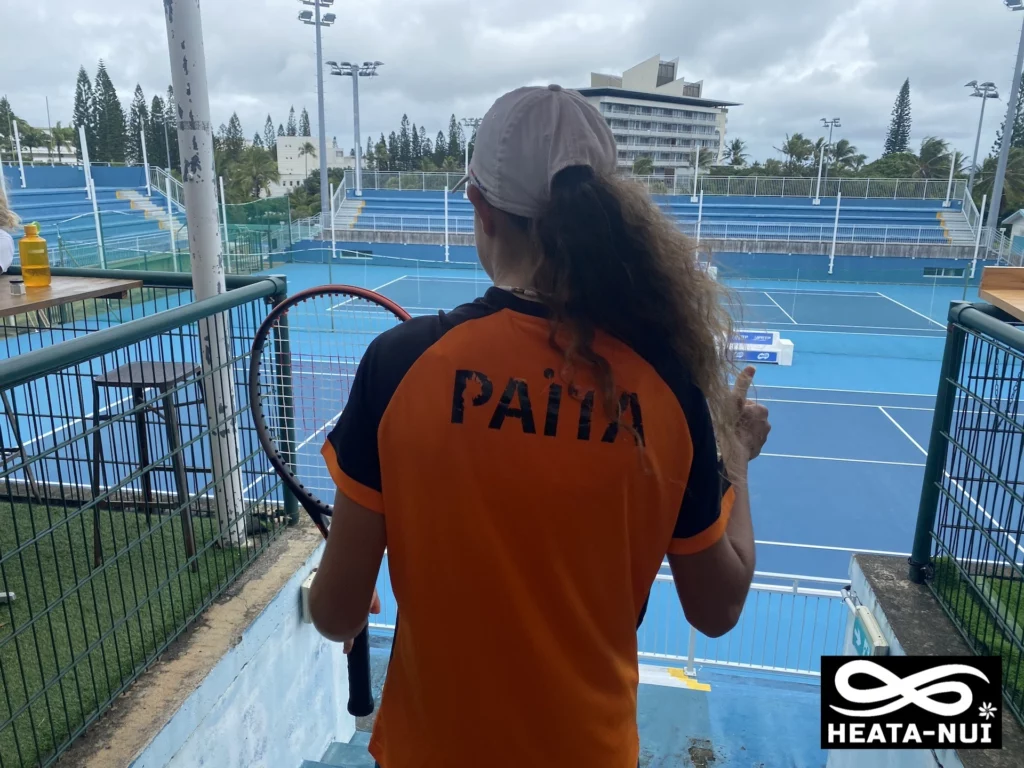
{"x": 7, "y": 118}
{"x": 84, "y": 112}
{"x": 234, "y": 138}
{"x": 155, "y": 133}
{"x": 291, "y": 129}
{"x": 415, "y": 154}
{"x": 304, "y": 129}
{"x": 111, "y": 141}
{"x": 426, "y": 148}
{"x": 455, "y": 145}
{"x": 257, "y": 140}
{"x": 1017, "y": 140}
{"x": 394, "y": 153}
{"x": 404, "y": 145}
{"x": 440, "y": 149}
{"x": 368, "y": 158}
{"x": 138, "y": 120}
{"x": 380, "y": 151}
{"x": 172, "y": 115}
{"x": 280, "y": 129}
{"x": 898, "y": 138}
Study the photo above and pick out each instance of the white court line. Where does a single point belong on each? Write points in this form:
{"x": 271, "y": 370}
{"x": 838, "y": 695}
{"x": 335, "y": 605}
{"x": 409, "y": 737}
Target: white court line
{"x": 932, "y": 334}
{"x": 845, "y": 405}
{"x": 788, "y": 329}
{"x": 954, "y": 482}
{"x": 73, "y": 422}
{"x": 832, "y": 549}
{"x": 445, "y": 279}
{"x": 848, "y": 461}
{"x": 850, "y": 391}
{"x": 773, "y": 301}
{"x": 919, "y": 314}
{"x": 375, "y": 290}
{"x": 862, "y": 294}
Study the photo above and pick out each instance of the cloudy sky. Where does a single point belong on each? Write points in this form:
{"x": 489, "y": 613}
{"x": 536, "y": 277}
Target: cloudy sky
{"x": 789, "y": 62}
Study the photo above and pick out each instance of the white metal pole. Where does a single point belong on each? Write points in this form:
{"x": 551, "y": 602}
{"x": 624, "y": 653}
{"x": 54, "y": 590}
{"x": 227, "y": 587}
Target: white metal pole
{"x": 195, "y": 143}
{"x": 145, "y": 162}
{"x": 17, "y": 145}
{"x": 949, "y": 187}
{"x": 446, "y": 224}
{"x": 696, "y": 173}
{"x": 835, "y": 233}
{"x": 224, "y": 222}
{"x": 700, "y": 213}
{"x": 90, "y": 191}
{"x": 821, "y": 167}
{"x": 977, "y": 237}
{"x": 977, "y": 143}
{"x": 334, "y": 252}
{"x": 49, "y": 127}
{"x": 1004, "y": 154}
{"x": 325, "y": 200}
{"x": 359, "y": 149}
{"x": 170, "y": 224}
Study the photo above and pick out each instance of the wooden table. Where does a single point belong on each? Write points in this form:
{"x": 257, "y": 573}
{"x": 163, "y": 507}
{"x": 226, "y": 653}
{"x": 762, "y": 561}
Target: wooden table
{"x": 61, "y": 290}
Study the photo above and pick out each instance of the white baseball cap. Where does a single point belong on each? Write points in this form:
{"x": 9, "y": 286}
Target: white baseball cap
{"x": 528, "y": 136}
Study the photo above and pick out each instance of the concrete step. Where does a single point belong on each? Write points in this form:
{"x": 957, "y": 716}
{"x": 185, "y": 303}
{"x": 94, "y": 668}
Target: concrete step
{"x": 351, "y": 755}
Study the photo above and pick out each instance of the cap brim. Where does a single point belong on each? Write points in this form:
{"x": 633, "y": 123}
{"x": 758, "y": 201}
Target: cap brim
{"x": 460, "y": 183}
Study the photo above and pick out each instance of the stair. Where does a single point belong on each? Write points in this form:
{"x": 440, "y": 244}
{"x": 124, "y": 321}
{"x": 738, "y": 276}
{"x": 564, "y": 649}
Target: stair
{"x": 149, "y": 208}
{"x": 348, "y": 213}
{"x": 351, "y": 755}
{"x": 955, "y": 227}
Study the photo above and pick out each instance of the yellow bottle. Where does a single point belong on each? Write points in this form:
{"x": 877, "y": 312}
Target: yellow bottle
{"x": 35, "y": 261}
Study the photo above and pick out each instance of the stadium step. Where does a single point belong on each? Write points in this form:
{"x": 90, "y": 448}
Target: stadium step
{"x": 351, "y": 755}
{"x": 956, "y": 228}
{"x": 348, "y": 212}
{"x": 151, "y": 210}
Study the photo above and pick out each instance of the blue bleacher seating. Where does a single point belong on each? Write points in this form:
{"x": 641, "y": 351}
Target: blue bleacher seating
{"x": 67, "y": 213}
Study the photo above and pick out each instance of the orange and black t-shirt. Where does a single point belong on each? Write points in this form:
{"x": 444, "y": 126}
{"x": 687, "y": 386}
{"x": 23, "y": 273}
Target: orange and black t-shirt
{"x": 524, "y": 531}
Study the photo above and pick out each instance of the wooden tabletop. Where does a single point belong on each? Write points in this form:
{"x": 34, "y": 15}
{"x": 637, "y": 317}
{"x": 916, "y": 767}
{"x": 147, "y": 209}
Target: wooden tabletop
{"x": 1003, "y": 287}
{"x": 61, "y": 290}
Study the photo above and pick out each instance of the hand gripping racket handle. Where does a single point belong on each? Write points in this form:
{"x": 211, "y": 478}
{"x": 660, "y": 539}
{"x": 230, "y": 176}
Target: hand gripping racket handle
{"x": 360, "y": 691}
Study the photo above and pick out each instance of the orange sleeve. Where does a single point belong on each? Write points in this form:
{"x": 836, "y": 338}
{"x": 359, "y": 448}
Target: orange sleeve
{"x": 362, "y": 495}
{"x": 691, "y": 545}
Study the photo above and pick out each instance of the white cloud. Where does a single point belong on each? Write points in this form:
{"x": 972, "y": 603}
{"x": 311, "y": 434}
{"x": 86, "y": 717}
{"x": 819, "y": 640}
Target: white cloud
{"x": 790, "y": 62}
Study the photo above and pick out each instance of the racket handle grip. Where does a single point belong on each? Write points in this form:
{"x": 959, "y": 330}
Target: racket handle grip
{"x": 360, "y": 691}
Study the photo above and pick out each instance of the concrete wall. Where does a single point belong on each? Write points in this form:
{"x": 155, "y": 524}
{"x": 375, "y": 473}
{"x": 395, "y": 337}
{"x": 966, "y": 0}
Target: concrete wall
{"x": 884, "y": 758}
{"x": 277, "y": 697}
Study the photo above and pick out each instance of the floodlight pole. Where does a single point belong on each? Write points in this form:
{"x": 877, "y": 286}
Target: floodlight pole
{"x": 835, "y": 233}
{"x": 830, "y": 124}
{"x": 696, "y": 173}
{"x": 984, "y": 93}
{"x": 324, "y": 194}
{"x": 977, "y": 236}
{"x": 17, "y": 146}
{"x": 1011, "y": 114}
{"x": 474, "y": 123}
{"x": 949, "y": 186}
{"x": 195, "y": 144}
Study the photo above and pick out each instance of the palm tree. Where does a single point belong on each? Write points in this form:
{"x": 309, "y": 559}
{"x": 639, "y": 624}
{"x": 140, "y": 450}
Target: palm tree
{"x": 797, "y": 149}
{"x": 843, "y": 154}
{"x": 706, "y": 158}
{"x": 1013, "y": 189}
{"x": 62, "y": 137}
{"x": 932, "y": 159}
{"x": 643, "y": 166}
{"x": 306, "y": 150}
{"x": 451, "y": 165}
{"x": 252, "y": 175}
{"x": 736, "y": 153}
{"x": 773, "y": 167}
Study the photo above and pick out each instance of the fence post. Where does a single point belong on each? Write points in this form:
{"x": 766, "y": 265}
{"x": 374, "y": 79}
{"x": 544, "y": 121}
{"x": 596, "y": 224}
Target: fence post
{"x": 945, "y": 399}
{"x": 334, "y": 253}
{"x": 17, "y": 146}
{"x": 691, "y": 653}
{"x": 867, "y": 190}
{"x": 170, "y": 223}
{"x": 145, "y": 162}
{"x": 446, "y": 224}
{"x": 755, "y": 186}
{"x": 728, "y": 185}
{"x": 895, "y": 189}
{"x": 700, "y": 213}
{"x": 835, "y": 234}
{"x": 224, "y": 221}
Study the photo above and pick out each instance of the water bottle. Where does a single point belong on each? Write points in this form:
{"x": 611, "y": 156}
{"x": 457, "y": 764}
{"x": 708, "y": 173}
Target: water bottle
{"x": 35, "y": 260}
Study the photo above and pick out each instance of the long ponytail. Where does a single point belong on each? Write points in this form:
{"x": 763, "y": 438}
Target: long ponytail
{"x": 612, "y": 261}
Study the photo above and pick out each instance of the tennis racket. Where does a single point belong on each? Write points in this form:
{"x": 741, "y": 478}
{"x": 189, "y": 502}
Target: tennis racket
{"x": 304, "y": 359}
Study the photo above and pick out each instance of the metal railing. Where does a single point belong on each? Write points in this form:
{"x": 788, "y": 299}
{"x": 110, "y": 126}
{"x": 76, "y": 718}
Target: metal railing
{"x": 741, "y": 186}
{"x": 788, "y": 623}
{"x": 969, "y": 540}
{"x": 113, "y": 537}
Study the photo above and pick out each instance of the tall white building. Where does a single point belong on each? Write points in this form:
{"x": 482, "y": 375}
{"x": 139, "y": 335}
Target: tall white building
{"x": 295, "y": 165}
{"x": 655, "y": 113}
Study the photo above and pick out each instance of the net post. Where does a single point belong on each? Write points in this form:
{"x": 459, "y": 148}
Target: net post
{"x": 945, "y": 399}
{"x": 285, "y": 414}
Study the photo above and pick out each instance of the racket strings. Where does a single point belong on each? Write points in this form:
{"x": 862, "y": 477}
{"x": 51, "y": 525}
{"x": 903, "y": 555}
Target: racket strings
{"x": 306, "y": 373}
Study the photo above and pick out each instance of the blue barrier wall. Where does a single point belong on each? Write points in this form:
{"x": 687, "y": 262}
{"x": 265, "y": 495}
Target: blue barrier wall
{"x": 763, "y": 266}
{"x": 64, "y": 176}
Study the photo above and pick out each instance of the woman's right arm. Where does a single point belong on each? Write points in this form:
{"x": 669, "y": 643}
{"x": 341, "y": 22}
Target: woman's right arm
{"x": 713, "y": 583}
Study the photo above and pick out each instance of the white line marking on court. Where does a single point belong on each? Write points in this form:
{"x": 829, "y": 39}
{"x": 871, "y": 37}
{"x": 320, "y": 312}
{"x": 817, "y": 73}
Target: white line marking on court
{"x": 849, "y": 461}
{"x": 862, "y": 294}
{"x": 850, "y": 391}
{"x": 832, "y": 549}
{"x": 773, "y": 301}
{"x": 74, "y": 421}
{"x": 809, "y": 328}
{"x": 845, "y": 405}
{"x": 390, "y": 282}
{"x": 919, "y": 314}
{"x": 954, "y": 482}
{"x": 788, "y": 329}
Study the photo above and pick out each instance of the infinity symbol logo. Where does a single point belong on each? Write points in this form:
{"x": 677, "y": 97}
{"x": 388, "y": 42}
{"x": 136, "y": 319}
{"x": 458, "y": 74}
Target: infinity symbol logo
{"x": 916, "y": 689}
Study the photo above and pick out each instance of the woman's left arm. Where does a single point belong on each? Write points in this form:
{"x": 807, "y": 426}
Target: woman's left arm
{"x": 343, "y": 591}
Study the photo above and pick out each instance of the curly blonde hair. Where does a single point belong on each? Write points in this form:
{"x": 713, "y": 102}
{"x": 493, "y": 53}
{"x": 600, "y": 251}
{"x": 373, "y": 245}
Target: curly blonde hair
{"x": 612, "y": 261}
{"x": 8, "y": 218}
